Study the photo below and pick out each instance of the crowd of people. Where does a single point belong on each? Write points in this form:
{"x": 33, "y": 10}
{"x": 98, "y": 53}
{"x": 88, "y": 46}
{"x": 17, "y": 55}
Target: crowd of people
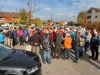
{"x": 52, "y": 39}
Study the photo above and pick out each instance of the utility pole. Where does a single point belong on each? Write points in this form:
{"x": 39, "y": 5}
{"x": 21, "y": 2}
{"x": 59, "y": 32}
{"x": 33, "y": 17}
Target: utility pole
{"x": 87, "y": 3}
{"x": 73, "y": 21}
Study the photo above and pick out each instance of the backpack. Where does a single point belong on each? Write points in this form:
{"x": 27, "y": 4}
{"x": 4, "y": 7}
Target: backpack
{"x": 46, "y": 42}
{"x": 82, "y": 42}
{"x": 20, "y": 33}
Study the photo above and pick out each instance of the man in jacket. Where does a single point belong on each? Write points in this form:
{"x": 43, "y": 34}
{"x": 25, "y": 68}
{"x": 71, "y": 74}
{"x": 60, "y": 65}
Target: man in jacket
{"x": 10, "y": 37}
{"x": 35, "y": 41}
{"x": 94, "y": 42}
{"x": 87, "y": 40}
{"x": 77, "y": 47}
{"x": 46, "y": 42}
{"x": 14, "y": 37}
{"x": 58, "y": 40}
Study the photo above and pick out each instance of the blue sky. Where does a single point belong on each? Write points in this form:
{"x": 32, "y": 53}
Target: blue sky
{"x": 59, "y": 9}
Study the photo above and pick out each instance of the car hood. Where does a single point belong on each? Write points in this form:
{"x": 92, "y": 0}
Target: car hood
{"x": 22, "y": 59}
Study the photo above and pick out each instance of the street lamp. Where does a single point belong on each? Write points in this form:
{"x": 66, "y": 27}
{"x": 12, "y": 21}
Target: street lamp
{"x": 73, "y": 21}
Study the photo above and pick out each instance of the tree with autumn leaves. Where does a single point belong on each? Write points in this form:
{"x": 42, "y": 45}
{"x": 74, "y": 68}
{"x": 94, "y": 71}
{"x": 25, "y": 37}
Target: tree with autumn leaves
{"x": 81, "y": 18}
{"x": 22, "y": 17}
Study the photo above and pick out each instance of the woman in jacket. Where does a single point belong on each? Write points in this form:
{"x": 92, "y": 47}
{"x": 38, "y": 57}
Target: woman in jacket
{"x": 67, "y": 46}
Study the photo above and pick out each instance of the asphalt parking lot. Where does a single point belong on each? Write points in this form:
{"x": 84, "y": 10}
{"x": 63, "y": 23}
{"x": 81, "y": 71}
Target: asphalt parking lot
{"x": 86, "y": 66}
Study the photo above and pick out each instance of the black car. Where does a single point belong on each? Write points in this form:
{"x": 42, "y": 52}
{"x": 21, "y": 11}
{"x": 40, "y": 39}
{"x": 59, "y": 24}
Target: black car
{"x": 18, "y": 62}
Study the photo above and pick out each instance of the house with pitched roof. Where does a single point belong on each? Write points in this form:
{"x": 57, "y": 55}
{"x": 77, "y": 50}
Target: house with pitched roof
{"x": 93, "y": 15}
{"x": 8, "y": 17}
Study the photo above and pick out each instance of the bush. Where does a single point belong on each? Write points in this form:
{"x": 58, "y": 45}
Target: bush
{"x": 94, "y": 25}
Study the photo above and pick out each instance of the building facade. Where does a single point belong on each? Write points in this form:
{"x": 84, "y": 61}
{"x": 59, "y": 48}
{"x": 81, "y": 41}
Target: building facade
{"x": 93, "y": 15}
{"x": 8, "y": 17}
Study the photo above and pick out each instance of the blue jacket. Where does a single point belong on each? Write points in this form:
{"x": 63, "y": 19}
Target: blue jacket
{"x": 2, "y": 37}
{"x": 10, "y": 34}
{"x": 14, "y": 34}
{"x": 72, "y": 35}
{"x": 25, "y": 32}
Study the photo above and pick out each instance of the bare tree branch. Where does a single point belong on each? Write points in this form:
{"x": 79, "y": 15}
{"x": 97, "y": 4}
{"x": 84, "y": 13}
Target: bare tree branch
{"x": 1, "y": 5}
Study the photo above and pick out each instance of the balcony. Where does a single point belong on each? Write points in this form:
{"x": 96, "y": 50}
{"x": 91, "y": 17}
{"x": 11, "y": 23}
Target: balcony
{"x": 89, "y": 20}
{"x": 89, "y": 14}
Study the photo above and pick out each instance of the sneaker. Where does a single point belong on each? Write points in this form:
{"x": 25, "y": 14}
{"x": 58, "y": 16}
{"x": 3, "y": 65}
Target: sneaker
{"x": 58, "y": 57}
{"x": 67, "y": 58}
{"x": 75, "y": 61}
{"x": 90, "y": 56}
{"x": 49, "y": 62}
{"x": 44, "y": 62}
{"x": 94, "y": 59}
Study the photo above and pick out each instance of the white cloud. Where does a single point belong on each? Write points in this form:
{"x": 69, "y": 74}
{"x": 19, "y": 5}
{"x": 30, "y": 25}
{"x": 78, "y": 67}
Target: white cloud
{"x": 48, "y": 10}
{"x": 60, "y": 14}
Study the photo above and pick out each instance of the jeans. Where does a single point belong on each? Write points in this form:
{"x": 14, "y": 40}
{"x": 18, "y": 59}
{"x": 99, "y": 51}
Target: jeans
{"x": 47, "y": 56}
{"x": 77, "y": 53}
{"x": 81, "y": 52}
{"x": 67, "y": 51}
{"x": 87, "y": 44}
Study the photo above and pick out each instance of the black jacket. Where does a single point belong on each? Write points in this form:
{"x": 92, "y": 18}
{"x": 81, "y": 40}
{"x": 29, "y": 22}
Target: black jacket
{"x": 94, "y": 41}
{"x": 76, "y": 44}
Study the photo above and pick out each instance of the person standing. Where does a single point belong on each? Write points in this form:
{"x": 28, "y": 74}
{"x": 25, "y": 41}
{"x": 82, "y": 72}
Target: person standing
{"x": 35, "y": 41}
{"x": 99, "y": 39}
{"x": 87, "y": 40}
{"x": 77, "y": 47}
{"x": 94, "y": 43}
{"x": 57, "y": 41}
{"x": 72, "y": 33}
{"x": 67, "y": 46}
{"x": 14, "y": 37}
{"x": 25, "y": 31}
{"x": 10, "y": 37}
{"x": 20, "y": 34}
{"x": 46, "y": 43}
{"x": 2, "y": 37}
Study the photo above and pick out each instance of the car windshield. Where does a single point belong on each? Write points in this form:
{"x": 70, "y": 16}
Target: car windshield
{"x": 4, "y": 51}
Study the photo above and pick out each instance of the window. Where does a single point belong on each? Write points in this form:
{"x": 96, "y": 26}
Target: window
{"x": 96, "y": 10}
{"x": 4, "y": 51}
{"x": 96, "y": 17}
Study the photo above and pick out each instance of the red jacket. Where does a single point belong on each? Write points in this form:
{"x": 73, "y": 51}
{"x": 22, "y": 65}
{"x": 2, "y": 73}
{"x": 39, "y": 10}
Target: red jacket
{"x": 52, "y": 36}
{"x": 62, "y": 33}
{"x": 42, "y": 33}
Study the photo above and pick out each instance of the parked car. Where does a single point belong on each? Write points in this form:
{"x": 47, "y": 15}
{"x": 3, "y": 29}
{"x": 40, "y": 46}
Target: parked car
{"x": 5, "y": 29}
{"x": 18, "y": 62}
